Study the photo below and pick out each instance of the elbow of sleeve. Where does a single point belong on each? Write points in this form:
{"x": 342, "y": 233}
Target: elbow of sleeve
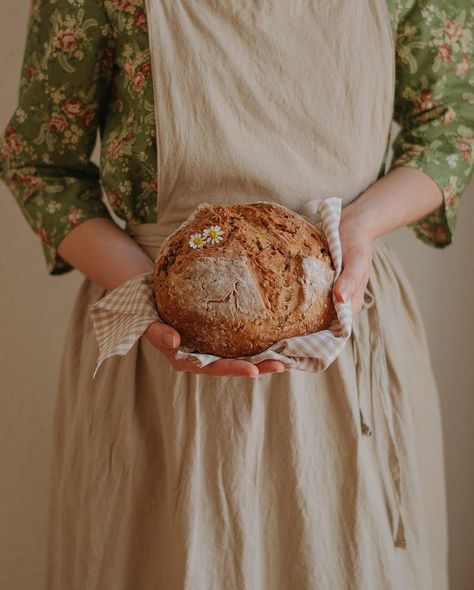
{"x": 53, "y": 205}
{"x": 53, "y": 228}
{"x": 450, "y": 166}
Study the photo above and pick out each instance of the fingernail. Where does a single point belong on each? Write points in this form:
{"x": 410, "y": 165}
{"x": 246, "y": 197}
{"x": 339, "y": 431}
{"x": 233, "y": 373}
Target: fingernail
{"x": 170, "y": 340}
{"x": 344, "y": 294}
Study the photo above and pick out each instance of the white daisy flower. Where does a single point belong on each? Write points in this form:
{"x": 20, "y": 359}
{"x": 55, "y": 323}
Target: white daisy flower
{"x": 213, "y": 234}
{"x": 196, "y": 240}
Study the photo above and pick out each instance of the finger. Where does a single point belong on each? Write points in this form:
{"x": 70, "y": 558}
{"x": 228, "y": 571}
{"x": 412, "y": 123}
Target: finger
{"x": 163, "y": 336}
{"x": 353, "y": 273}
{"x": 221, "y": 367}
{"x": 270, "y": 366}
{"x": 158, "y": 332}
{"x": 231, "y": 367}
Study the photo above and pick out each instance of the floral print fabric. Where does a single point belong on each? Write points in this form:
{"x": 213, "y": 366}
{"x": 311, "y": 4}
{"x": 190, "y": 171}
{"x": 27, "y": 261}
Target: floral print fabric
{"x": 86, "y": 68}
{"x": 434, "y": 103}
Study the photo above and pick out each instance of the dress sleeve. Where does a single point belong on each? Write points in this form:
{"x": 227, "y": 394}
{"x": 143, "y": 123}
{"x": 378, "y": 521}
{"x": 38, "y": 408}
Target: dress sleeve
{"x": 434, "y": 104}
{"x": 46, "y": 147}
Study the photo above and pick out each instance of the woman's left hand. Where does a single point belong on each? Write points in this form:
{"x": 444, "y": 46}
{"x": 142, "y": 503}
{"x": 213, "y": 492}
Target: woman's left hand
{"x": 398, "y": 198}
{"x": 356, "y": 243}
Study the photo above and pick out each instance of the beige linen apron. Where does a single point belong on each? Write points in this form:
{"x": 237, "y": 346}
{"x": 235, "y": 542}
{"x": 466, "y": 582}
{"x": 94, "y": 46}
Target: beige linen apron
{"x": 298, "y": 480}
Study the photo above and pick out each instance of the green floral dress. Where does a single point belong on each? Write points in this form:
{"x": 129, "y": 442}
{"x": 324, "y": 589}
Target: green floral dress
{"x": 86, "y": 69}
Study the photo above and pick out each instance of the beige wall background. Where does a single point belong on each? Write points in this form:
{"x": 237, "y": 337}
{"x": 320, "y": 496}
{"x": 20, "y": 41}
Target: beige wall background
{"x": 35, "y": 309}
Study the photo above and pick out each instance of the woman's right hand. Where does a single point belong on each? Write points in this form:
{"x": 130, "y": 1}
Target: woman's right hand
{"x": 166, "y": 339}
{"x": 94, "y": 243}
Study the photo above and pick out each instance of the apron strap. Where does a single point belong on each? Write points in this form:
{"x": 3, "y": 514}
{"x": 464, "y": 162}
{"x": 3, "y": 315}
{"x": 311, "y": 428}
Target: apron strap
{"x": 380, "y": 380}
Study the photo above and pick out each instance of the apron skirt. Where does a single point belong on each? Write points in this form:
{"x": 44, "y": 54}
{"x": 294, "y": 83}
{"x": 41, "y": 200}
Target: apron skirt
{"x": 180, "y": 481}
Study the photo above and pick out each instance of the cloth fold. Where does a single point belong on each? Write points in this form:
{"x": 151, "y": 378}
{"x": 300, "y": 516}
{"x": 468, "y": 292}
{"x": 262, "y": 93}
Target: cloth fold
{"x": 121, "y": 317}
{"x": 377, "y": 383}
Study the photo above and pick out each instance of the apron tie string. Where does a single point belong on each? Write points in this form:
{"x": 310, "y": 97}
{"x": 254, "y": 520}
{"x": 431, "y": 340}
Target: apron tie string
{"x": 379, "y": 380}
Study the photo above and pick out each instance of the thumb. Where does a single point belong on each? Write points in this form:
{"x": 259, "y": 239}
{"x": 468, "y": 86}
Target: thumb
{"x": 351, "y": 275}
{"x": 162, "y": 335}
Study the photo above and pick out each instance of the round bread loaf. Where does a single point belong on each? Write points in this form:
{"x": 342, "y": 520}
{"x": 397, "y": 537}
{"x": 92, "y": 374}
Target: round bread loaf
{"x": 234, "y": 280}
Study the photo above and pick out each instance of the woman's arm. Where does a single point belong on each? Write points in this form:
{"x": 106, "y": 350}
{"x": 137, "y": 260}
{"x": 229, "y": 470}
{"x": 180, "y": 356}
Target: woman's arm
{"x": 46, "y": 147}
{"x": 434, "y": 105}
{"x": 106, "y": 254}
{"x": 400, "y": 197}
{"x": 433, "y": 159}
{"x": 45, "y": 155}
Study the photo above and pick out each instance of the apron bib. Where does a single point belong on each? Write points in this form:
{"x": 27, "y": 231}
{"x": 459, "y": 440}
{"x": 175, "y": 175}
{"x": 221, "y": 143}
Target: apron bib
{"x": 268, "y": 100}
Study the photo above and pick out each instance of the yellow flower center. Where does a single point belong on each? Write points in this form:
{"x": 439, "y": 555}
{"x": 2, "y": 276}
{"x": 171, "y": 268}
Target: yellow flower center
{"x": 198, "y": 240}
{"x": 213, "y": 233}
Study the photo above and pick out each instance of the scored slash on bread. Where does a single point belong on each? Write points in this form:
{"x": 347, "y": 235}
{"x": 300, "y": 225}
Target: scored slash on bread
{"x": 266, "y": 274}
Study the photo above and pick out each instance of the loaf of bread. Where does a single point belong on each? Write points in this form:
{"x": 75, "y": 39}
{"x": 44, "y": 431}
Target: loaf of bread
{"x": 233, "y": 280}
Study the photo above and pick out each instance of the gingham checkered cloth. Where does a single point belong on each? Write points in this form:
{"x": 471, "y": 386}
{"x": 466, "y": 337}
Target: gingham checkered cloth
{"x": 123, "y": 315}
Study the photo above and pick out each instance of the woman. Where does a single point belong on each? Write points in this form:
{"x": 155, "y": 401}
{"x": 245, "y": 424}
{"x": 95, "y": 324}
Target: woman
{"x": 169, "y": 476}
